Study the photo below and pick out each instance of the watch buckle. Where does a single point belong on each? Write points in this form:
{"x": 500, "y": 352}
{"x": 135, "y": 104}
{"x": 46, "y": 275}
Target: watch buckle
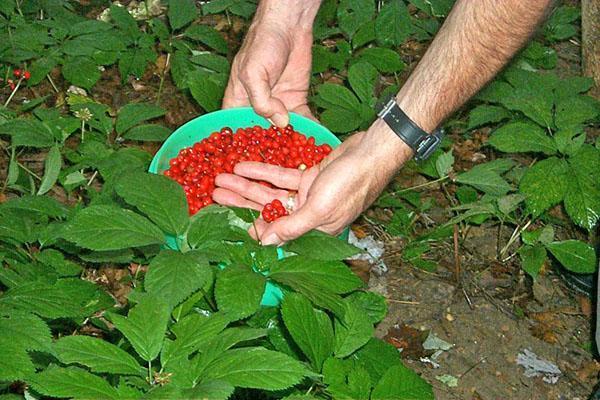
{"x": 428, "y": 145}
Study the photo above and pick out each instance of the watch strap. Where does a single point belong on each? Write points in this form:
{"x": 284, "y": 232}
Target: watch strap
{"x": 421, "y": 142}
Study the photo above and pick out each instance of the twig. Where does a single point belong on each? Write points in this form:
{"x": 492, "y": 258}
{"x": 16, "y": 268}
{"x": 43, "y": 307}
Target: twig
{"x": 472, "y": 367}
{"x": 52, "y": 83}
{"x": 456, "y": 256}
{"x": 13, "y": 93}
{"x": 92, "y": 178}
{"x": 412, "y": 303}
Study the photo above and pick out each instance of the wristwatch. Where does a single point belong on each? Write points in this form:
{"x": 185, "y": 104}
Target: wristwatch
{"x": 422, "y": 143}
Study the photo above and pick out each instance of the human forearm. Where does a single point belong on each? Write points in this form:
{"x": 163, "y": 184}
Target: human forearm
{"x": 477, "y": 39}
{"x": 293, "y": 14}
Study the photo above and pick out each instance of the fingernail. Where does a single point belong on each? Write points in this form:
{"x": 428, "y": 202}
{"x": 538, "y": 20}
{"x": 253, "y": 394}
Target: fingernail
{"x": 280, "y": 120}
{"x": 270, "y": 240}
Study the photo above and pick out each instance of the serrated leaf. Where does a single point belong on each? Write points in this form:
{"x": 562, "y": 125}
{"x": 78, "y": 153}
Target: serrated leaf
{"x": 207, "y": 88}
{"x": 148, "y": 133}
{"x": 574, "y": 255}
{"x": 484, "y": 179}
{"x": 134, "y": 113}
{"x": 371, "y": 303}
{"x": 362, "y": 77}
{"x": 258, "y": 368}
{"x": 15, "y": 364}
{"x": 401, "y": 383}
{"x": 544, "y": 184}
{"x": 311, "y": 330}
{"x": 208, "y": 36}
{"x": 39, "y": 205}
{"x": 174, "y": 275}
{"x": 159, "y": 197}
{"x": 377, "y": 356}
{"x": 52, "y": 168}
{"x": 532, "y": 259}
{"x": 97, "y": 354}
{"x": 341, "y": 120}
{"x": 238, "y": 291}
{"x": 72, "y": 382}
{"x": 317, "y": 245}
{"x": 334, "y": 277}
{"x": 209, "y": 226}
{"x": 444, "y": 163}
{"x": 520, "y": 137}
{"x": 486, "y": 114}
{"x": 574, "y": 111}
{"x": 145, "y": 326}
{"x": 81, "y": 71}
{"x": 24, "y": 331}
{"x": 385, "y": 60}
{"x": 338, "y": 96}
{"x": 582, "y": 197}
{"x": 353, "y": 332}
{"x": 111, "y": 228}
{"x": 352, "y": 14}
{"x": 181, "y": 13}
{"x": 28, "y": 132}
{"x": 393, "y": 24}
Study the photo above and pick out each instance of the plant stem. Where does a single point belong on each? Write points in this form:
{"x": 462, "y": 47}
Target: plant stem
{"x": 13, "y": 92}
{"x": 443, "y": 178}
{"x": 150, "y": 372}
{"x": 52, "y": 83}
{"x": 30, "y": 172}
{"x": 162, "y": 79}
{"x": 82, "y": 130}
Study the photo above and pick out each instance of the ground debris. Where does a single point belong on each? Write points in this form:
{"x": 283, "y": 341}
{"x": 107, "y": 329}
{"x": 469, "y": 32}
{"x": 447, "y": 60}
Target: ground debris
{"x": 536, "y": 366}
{"x": 372, "y": 252}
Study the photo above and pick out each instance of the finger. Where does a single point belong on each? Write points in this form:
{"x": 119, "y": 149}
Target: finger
{"x": 227, "y": 197}
{"x": 252, "y": 191}
{"x": 235, "y": 95}
{"x": 258, "y": 88}
{"x": 290, "y": 227}
{"x": 286, "y": 178}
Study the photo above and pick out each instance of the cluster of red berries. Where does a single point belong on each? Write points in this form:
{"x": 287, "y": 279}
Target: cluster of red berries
{"x": 18, "y": 74}
{"x": 273, "y": 211}
{"x": 196, "y": 167}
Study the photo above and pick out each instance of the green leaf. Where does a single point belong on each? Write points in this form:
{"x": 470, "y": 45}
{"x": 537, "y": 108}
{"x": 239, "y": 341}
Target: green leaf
{"x": 385, "y": 60}
{"x": 207, "y": 89}
{"x": 145, "y": 326}
{"x": 509, "y": 203}
{"x": 401, "y": 383}
{"x": 317, "y": 245}
{"x": 256, "y": 367}
{"x": 28, "y": 132}
{"x": 341, "y": 120}
{"x": 212, "y": 61}
{"x": 582, "y": 197}
{"x": 574, "y": 255}
{"x": 56, "y": 260}
{"x": 544, "y": 184}
{"x": 38, "y": 205}
{"x": 484, "y": 179}
{"x": 362, "y": 77}
{"x": 543, "y": 235}
{"x": 124, "y": 20}
{"x": 521, "y": 137}
{"x": 332, "y": 276}
{"x": 372, "y": 304}
{"x": 97, "y": 354}
{"x": 338, "y": 96}
{"x": 148, "y": 133}
{"x": 174, "y": 275}
{"x": 181, "y": 13}
{"x": 52, "y": 168}
{"x": 238, "y": 291}
{"x": 353, "y": 332}
{"x": 208, "y": 36}
{"x": 81, "y": 71}
{"x": 72, "y": 382}
{"x": 134, "y": 113}
{"x": 311, "y": 330}
{"x": 111, "y": 228}
{"x": 532, "y": 259}
{"x": 393, "y": 24}
{"x": 134, "y": 61}
{"x": 574, "y": 111}
{"x": 365, "y": 34}
{"x": 352, "y": 14}
{"x": 444, "y": 163}
{"x": 159, "y": 197}
{"x": 377, "y": 356}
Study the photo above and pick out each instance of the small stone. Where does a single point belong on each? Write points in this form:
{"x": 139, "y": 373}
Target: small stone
{"x": 449, "y": 317}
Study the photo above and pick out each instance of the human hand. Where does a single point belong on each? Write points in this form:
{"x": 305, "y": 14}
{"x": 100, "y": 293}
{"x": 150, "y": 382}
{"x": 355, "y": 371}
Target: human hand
{"x": 330, "y": 195}
{"x": 271, "y": 71}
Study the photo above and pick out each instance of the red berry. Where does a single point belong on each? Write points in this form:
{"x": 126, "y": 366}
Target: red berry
{"x": 27, "y": 75}
{"x": 17, "y": 73}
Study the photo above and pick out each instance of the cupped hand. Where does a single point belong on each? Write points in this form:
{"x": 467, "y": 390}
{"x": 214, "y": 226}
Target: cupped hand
{"x": 271, "y": 71}
{"x": 330, "y": 195}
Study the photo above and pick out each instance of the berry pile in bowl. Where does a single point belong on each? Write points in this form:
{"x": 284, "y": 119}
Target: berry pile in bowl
{"x": 196, "y": 167}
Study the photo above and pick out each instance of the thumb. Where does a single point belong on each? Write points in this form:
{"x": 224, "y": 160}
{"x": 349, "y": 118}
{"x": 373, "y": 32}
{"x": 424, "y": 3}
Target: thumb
{"x": 259, "y": 91}
{"x": 290, "y": 227}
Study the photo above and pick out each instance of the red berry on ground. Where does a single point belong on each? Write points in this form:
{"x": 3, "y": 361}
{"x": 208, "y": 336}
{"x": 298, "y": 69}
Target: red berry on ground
{"x": 17, "y": 73}
{"x": 27, "y": 75}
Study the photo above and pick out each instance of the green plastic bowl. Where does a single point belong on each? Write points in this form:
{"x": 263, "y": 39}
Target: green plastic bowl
{"x": 201, "y": 127}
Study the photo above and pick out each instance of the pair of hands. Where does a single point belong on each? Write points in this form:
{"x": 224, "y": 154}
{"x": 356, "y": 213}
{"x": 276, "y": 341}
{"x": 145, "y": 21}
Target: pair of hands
{"x": 271, "y": 72}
